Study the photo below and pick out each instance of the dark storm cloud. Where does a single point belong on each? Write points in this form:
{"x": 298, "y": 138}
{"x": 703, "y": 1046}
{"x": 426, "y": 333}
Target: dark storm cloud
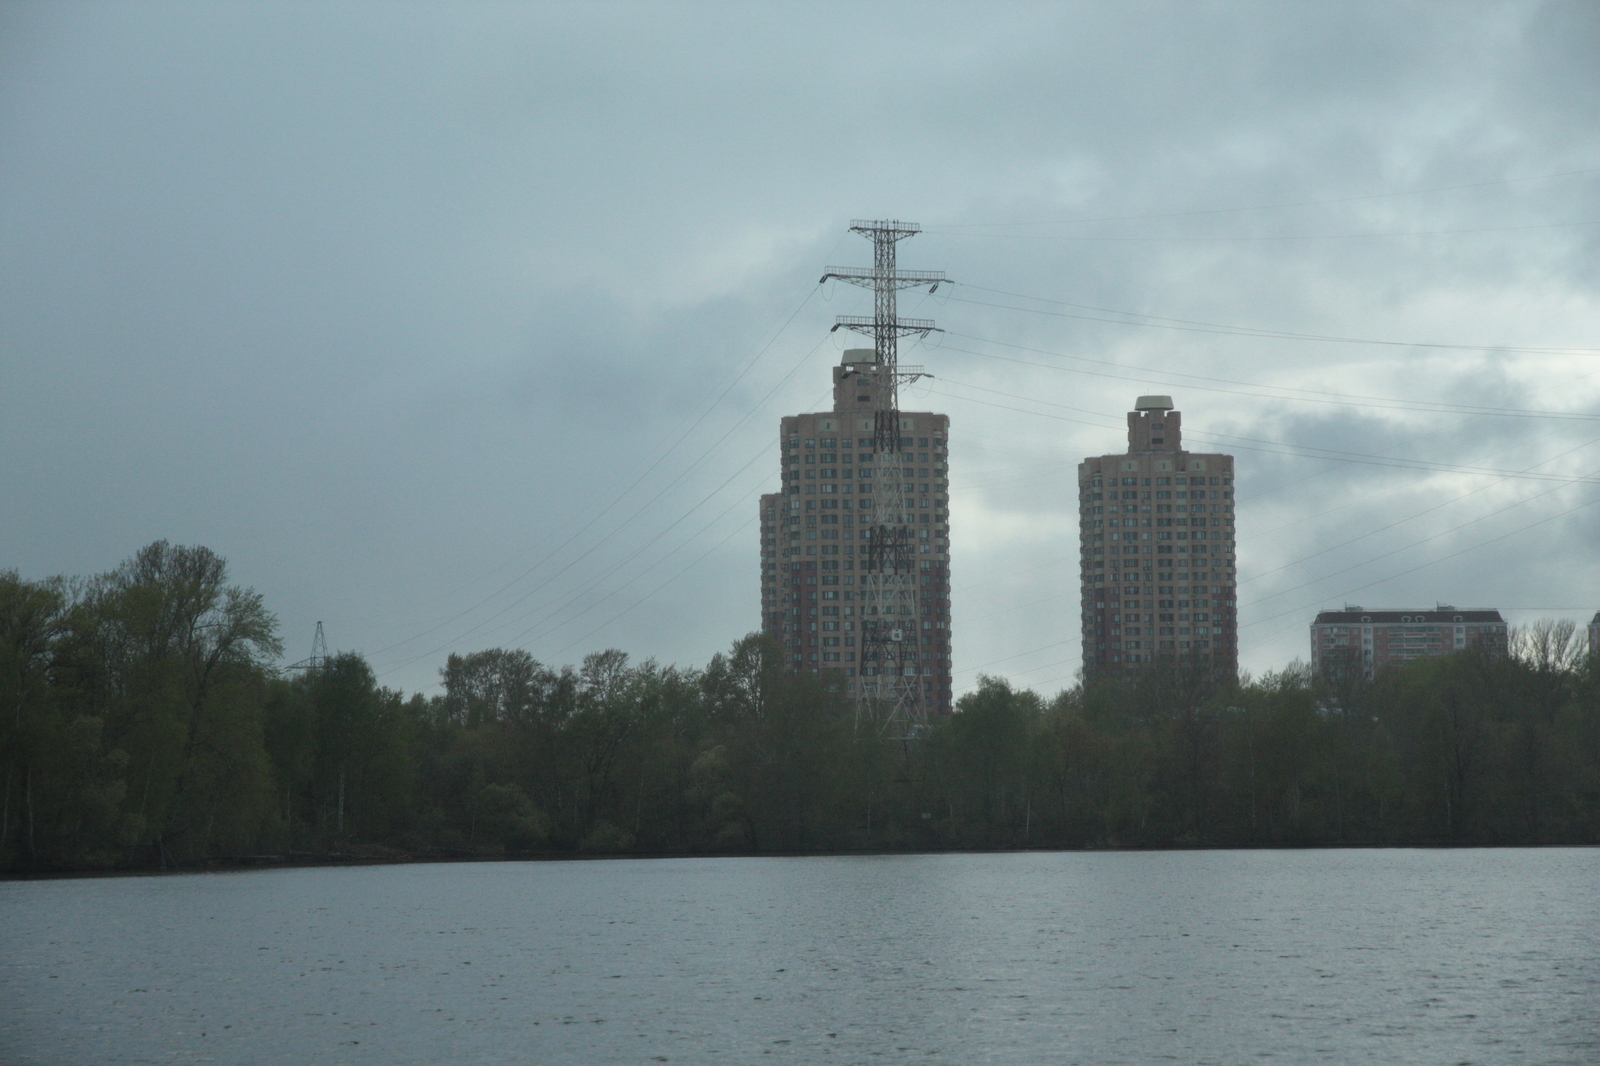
{"x": 385, "y": 303}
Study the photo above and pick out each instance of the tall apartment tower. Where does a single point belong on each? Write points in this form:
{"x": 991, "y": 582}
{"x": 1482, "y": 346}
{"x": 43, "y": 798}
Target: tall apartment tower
{"x": 820, "y": 599}
{"x": 1156, "y": 550}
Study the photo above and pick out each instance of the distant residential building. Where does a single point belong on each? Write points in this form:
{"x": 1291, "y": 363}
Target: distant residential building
{"x": 822, "y": 595}
{"x": 1360, "y": 641}
{"x": 1156, "y": 550}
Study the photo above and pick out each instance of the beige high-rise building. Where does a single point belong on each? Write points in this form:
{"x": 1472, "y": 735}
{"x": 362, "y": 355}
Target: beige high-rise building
{"x": 817, "y": 588}
{"x": 1156, "y": 556}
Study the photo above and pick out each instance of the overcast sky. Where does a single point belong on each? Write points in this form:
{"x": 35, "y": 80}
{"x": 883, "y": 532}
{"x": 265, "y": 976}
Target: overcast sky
{"x": 469, "y": 325}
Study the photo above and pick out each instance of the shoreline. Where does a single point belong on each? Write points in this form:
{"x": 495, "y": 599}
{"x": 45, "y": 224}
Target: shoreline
{"x": 310, "y": 860}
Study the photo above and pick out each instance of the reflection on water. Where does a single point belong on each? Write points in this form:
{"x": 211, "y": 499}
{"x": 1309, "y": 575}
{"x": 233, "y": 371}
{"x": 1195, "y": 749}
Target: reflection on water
{"x": 1444, "y": 956}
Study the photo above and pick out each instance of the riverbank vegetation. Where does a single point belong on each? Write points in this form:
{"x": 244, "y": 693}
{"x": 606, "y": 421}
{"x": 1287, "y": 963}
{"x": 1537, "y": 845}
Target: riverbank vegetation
{"x": 143, "y": 724}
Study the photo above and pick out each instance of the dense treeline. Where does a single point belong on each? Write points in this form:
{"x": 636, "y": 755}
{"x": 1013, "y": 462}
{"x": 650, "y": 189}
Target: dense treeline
{"x": 144, "y": 724}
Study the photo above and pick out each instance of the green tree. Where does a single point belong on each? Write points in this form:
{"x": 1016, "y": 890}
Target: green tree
{"x": 984, "y": 747}
{"x": 179, "y": 658}
{"x": 364, "y": 774}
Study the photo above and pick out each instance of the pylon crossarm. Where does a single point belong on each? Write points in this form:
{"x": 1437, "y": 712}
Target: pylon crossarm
{"x": 869, "y": 325}
{"x": 870, "y": 278}
{"x": 891, "y": 228}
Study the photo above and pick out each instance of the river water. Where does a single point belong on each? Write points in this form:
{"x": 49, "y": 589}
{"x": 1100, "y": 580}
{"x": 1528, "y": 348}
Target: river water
{"x": 1383, "y": 956}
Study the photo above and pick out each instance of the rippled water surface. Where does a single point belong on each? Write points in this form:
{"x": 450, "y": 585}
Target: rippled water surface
{"x": 1453, "y": 956}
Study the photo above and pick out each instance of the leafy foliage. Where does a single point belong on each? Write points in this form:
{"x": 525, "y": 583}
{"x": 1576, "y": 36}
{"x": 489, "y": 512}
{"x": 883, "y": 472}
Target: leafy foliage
{"x": 142, "y": 722}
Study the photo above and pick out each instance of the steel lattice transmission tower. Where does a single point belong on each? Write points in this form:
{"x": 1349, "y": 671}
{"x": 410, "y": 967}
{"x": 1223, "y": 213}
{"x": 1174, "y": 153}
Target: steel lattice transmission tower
{"x": 319, "y": 655}
{"x": 890, "y": 565}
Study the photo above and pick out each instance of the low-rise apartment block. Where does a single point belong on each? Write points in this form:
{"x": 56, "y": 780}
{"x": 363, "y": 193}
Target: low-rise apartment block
{"x": 1358, "y": 641}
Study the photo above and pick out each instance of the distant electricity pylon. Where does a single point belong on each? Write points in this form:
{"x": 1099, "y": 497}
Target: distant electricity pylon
{"x": 319, "y": 655}
{"x": 889, "y": 640}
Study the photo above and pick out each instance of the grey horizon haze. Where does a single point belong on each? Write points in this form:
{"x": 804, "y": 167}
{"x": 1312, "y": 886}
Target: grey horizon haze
{"x": 459, "y": 327}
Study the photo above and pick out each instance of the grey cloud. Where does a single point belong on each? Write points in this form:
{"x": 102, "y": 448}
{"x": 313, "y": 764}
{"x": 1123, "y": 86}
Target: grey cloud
{"x": 382, "y": 302}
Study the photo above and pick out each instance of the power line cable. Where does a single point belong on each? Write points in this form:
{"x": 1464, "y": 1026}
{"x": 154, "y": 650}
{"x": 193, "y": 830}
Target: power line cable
{"x": 1266, "y": 207}
{"x": 1465, "y": 411}
{"x": 549, "y": 612}
{"x": 1414, "y": 544}
{"x": 1259, "y": 494}
{"x": 1182, "y": 325}
{"x": 617, "y": 529}
{"x": 1412, "y": 517}
{"x": 1046, "y": 666}
{"x": 1098, "y": 239}
{"x": 1057, "y": 644}
{"x": 736, "y": 503}
{"x": 1558, "y": 416}
{"x": 622, "y": 495}
{"x": 812, "y": 291}
{"x": 1008, "y": 658}
{"x": 626, "y": 610}
{"x": 525, "y": 635}
{"x": 1430, "y": 562}
{"x": 1592, "y": 479}
{"x": 1278, "y": 447}
{"x": 821, "y": 397}
{"x": 593, "y": 583}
